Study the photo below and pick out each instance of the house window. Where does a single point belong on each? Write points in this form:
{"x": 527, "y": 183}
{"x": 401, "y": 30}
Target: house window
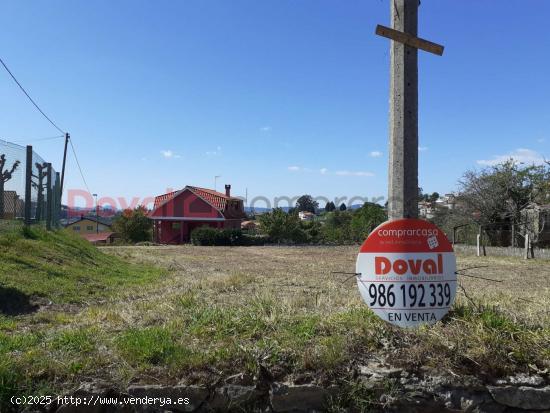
{"x": 90, "y": 228}
{"x": 176, "y": 225}
{"x": 76, "y": 228}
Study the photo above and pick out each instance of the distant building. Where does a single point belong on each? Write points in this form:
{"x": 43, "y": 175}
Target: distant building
{"x": 87, "y": 225}
{"x": 447, "y": 201}
{"x": 176, "y": 214}
{"x": 306, "y": 215}
{"x": 426, "y": 210}
{"x": 101, "y": 238}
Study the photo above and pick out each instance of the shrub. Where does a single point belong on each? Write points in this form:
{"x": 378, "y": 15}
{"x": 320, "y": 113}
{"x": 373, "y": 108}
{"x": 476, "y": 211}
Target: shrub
{"x": 204, "y": 236}
{"x": 134, "y": 225}
{"x": 208, "y": 236}
{"x": 286, "y": 227}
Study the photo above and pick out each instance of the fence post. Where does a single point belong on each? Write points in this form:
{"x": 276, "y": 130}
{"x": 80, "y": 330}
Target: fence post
{"x": 28, "y": 179}
{"x": 49, "y": 197}
{"x": 57, "y": 212}
{"x": 527, "y": 242}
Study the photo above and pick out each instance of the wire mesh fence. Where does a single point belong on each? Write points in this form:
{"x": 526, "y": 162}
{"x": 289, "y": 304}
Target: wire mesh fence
{"x": 29, "y": 187}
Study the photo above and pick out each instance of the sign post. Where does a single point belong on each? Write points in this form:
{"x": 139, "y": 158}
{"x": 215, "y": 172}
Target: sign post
{"x": 403, "y": 149}
{"x": 406, "y": 268}
{"x": 407, "y": 272}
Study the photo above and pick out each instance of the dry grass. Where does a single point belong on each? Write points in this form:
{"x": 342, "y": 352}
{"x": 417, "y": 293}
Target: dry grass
{"x": 221, "y": 311}
{"x": 300, "y": 277}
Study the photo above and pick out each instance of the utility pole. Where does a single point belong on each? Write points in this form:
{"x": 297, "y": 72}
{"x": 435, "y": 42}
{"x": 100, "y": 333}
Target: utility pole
{"x": 403, "y": 149}
{"x": 96, "y": 215}
{"x": 67, "y": 137}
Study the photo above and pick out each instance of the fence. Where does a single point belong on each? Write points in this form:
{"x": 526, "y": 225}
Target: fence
{"x": 30, "y": 188}
{"x": 543, "y": 253}
{"x": 530, "y": 238}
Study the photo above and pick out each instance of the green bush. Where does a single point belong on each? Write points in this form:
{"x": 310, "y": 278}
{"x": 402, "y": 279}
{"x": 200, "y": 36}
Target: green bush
{"x": 286, "y": 227}
{"x": 208, "y": 236}
{"x": 205, "y": 236}
{"x": 134, "y": 225}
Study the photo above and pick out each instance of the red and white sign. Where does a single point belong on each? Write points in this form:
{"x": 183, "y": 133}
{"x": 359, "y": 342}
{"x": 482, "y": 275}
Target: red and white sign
{"x": 407, "y": 272}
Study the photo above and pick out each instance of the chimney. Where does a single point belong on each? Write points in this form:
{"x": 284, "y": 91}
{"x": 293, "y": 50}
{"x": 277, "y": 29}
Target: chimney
{"x": 227, "y": 190}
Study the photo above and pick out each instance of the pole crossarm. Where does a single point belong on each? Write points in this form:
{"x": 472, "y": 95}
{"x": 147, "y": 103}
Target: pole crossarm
{"x": 409, "y": 40}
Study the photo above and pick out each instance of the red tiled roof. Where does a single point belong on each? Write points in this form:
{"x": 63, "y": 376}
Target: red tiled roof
{"x": 161, "y": 199}
{"x": 216, "y": 199}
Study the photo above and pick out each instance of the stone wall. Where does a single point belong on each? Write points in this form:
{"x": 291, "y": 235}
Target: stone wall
{"x": 382, "y": 388}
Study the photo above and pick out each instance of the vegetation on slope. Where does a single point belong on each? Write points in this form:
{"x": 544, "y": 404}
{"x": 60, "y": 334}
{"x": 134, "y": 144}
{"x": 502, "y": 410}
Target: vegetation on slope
{"x": 46, "y": 278}
{"x": 62, "y": 267}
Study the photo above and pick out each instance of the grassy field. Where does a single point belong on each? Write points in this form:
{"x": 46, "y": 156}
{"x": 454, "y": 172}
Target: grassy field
{"x": 210, "y": 312}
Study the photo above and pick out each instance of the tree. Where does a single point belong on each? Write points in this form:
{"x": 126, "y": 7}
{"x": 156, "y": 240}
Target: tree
{"x": 281, "y": 227}
{"x": 365, "y": 219}
{"x": 329, "y": 207}
{"x": 499, "y": 192}
{"x": 134, "y": 225}
{"x": 343, "y": 207}
{"x": 427, "y": 197}
{"x": 306, "y": 203}
{"x": 495, "y": 196}
{"x": 5, "y": 176}
{"x": 39, "y": 186}
{"x": 337, "y": 227}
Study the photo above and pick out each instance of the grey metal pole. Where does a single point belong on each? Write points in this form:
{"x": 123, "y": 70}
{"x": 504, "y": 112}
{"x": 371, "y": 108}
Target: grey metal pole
{"x": 49, "y": 196}
{"x": 28, "y": 179}
{"x": 403, "y": 150}
{"x": 57, "y": 200}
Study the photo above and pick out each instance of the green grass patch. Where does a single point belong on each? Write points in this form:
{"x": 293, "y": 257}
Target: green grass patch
{"x": 77, "y": 341}
{"x": 154, "y": 346}
{"x": 63, "y": 267}
{"x": 483, "y": 340}
{"x": 56, "y": 266}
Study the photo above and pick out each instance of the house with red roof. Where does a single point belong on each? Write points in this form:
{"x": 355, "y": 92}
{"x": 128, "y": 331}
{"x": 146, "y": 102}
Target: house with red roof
{"x": 176, "y": 214}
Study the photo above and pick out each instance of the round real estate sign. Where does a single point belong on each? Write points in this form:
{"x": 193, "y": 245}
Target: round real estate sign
{"x": 407, "y": 272}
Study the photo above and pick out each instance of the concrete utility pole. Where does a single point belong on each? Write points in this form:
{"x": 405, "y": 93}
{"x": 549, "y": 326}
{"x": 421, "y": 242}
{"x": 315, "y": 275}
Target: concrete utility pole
{"x": 67, "y": 137}
{"x": 403, "y": 149}
{"x": 403, "y": 152}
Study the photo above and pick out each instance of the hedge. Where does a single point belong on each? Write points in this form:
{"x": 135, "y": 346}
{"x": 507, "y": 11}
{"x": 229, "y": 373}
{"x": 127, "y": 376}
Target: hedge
{"x": 208, "y": 236}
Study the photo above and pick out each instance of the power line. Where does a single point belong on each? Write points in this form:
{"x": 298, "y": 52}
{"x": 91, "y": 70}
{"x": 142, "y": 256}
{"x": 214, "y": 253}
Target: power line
{"x": 34, "y": 140}
{"x": 78, "y": 164}
{"x": 31, "y": 99}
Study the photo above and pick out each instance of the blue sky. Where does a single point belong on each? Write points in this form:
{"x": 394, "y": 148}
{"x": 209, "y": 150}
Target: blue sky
{"x": 282, "y": 97}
